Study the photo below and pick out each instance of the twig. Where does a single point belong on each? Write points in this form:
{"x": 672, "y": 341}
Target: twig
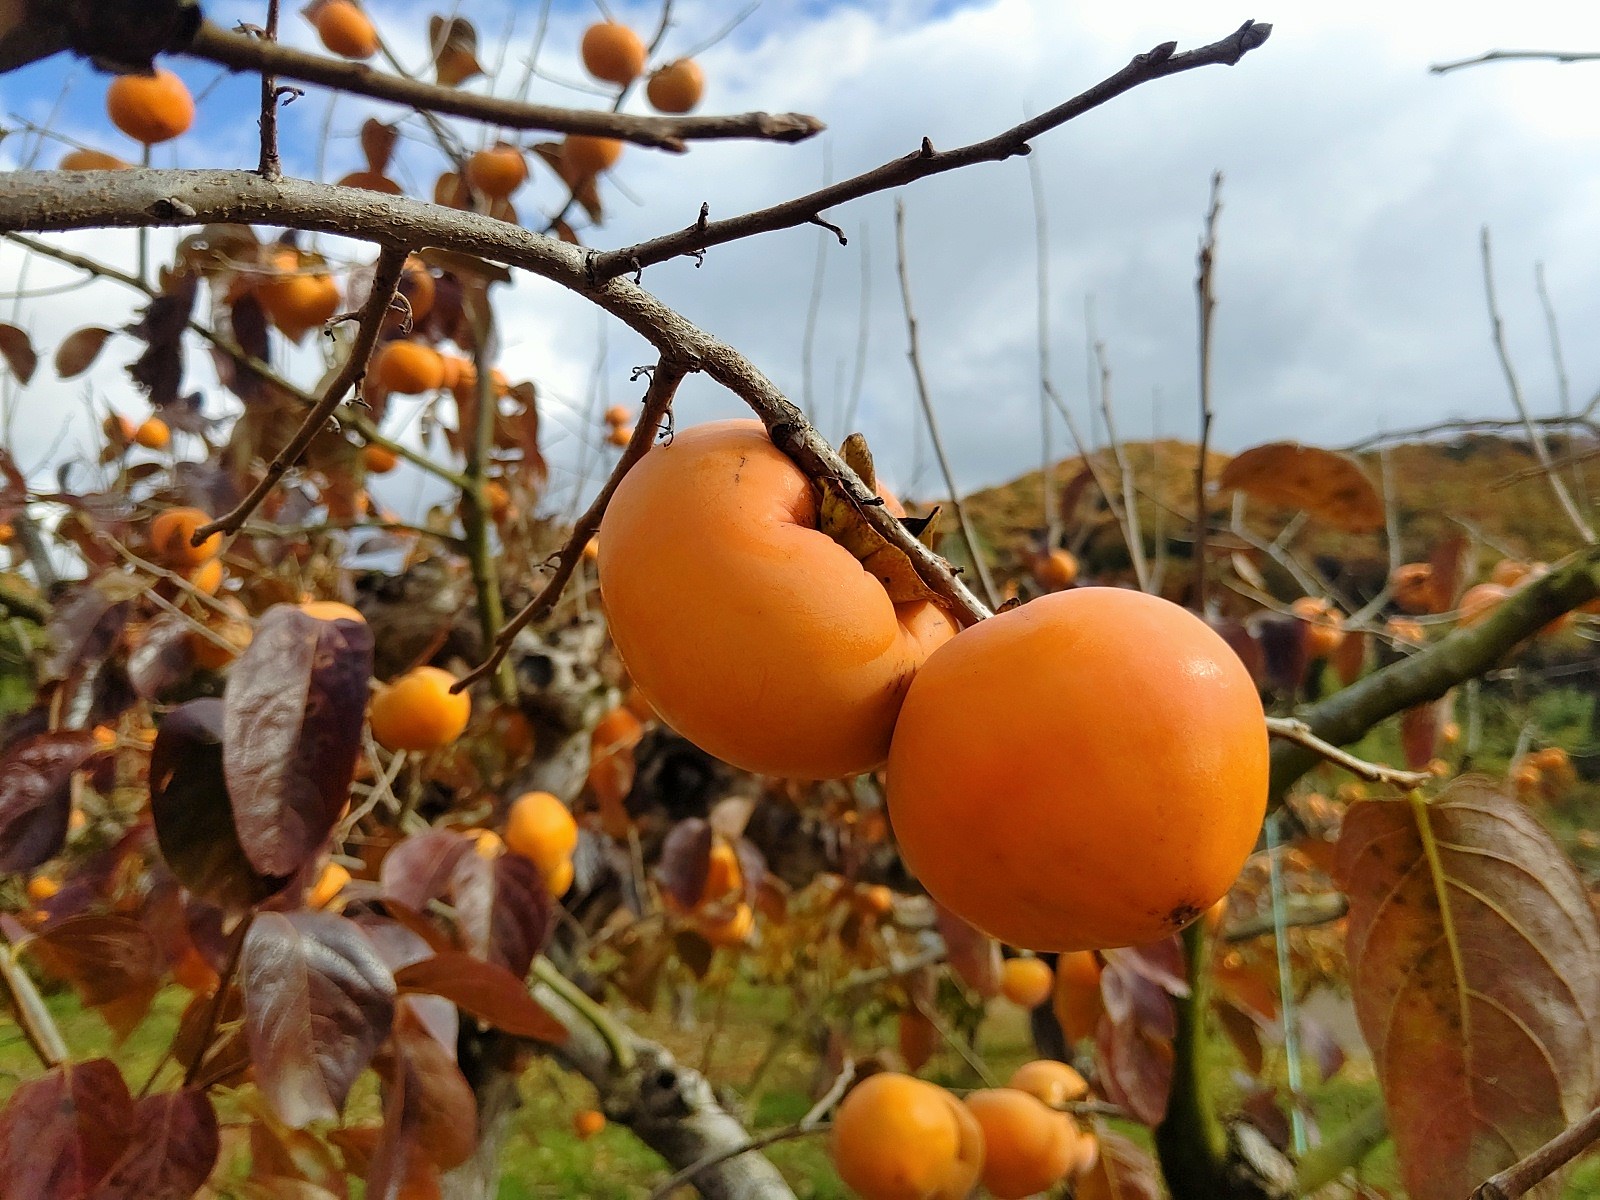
{"x": 214, "y": 1009}
{"x": 1560, "y": 56}
{"x": 1162, "y": 61}
{"x": 863, "y": 337}
{"x": 1540, "y": 450}
{"x": 240, "y": 53}
{"x": 386, "y": 277}
{"x": 1300, "y": 912}
{"x": 38, "y": 1026}
{"x": 1471, "y": 425}
{"x": 658, "y": 397}
{"x": 475, "y": 514}
{"x": 1206, "y": 298}
{"x": 1130, "y": 499}
{"x": 1559, "y": 361}
{"x": 1521, "y": 1177}
{"x": 271, "y": 165}
{"x": 974, "y": 550}
{"x": 1049, "y": 511}
{"x": 1298, "y": 732}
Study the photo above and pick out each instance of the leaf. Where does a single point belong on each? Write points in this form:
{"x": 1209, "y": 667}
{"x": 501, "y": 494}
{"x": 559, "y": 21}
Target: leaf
{"x": 318, "y": 1002}
{"x": 1475, "y": 966}
{"x": 1122, "y": 1171}
{"x": 61, "y": 1133}
{"x": 77, "y": 352}
{"x": 1283, "y": 650}
{"x": 420, "y": 868}
{"x": 159, "y": 370}
{"x": 110, "y": 961}
{"x": 685, "y": 862}
{"x": 36, "y": 795}
{"x": 1419, "y": 733}
{"x": 84, "y": 628}
{"x": 173, "y": 1154}
{"x": 486, "y": 990}
{"x": 439, "y": 1113}
{"x": 1134, "y": 1040}
{"x": 973, "y": 955}
{"x": 455, "y": 50}
{"x": 1327, "y": 485}
{"x": 1350, "y": 656}
{"x": 1448, "y": 558}
{"x": 17, "y": 349}
{"x": 503, "y": 909}
{"x": 193, "y": 815}
{"x": 292, "y": 715}
{"x": 377, "y": 143}
{"x": 841, "y": 518}
{"x": 162, "y": 658}
{"x": 1244, "y": 643}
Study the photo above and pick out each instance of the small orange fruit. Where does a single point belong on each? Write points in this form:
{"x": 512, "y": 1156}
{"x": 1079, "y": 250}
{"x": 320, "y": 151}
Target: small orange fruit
{"x": 676, "y": 87}
{"x": 420, "y": 291}
{"x": 723, "y": 875}
{"x": 496, "y": 499}
{"x": 586, "y": 1122}
{"x": 541, "y": 829}
{"x": 1413, "y": 588}
{"x": 613, "y": 53}
{"x": 331, "y": 610}
{"x": 1509, "y": 572}
{"x": 329, "y": 884}
{"x": 875, "y": 900}
{"x": 1078, "y": 1003}
{"x": 1403, "y": 629}
{"x": 345, "y": 30}
{"x": 1479, "y": 601}
{"x": 150, "y": 108}
{"x": 42, "y": 888}
{"x": 618, "y": 414}
{"x": 212, "y": 656}
{"x": 732, "y": 929}
{"x": 170, "y": 534}
{"x": 153, "y": 434}
{"x": 487, "y": 843}
{"x": 1028, "y": 1148}
{"x": 1053, "y": 1083}
{"x": 584, "y": 156}
{"x": 1324, "y": 625}
{"x": 408, "y": 367}
{"x": 418, "y": 711}
{"x": 92, "y": 160}
{"x": 497, "y": 170}
{"x": 379, "y": 460}
{"x": 896, "y": 1137}
{"x": 1170, "y": 757}
{"x": 298, "y": 301}
{"x": 559, "y": 881}
{"x": 1056, "y": 570}
{"x": 620, "y": 435}
{"x": 1026, "y": 982}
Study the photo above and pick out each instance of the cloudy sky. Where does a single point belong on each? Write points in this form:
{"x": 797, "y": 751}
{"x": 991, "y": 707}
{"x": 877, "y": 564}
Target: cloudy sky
{"x": 1348, "y": 273}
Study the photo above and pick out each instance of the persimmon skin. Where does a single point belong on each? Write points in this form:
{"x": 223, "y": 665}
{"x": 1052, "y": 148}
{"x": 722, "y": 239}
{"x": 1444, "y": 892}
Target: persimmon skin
{"x": 1088, "y": 770}
{"x": 1028, "y": 1148}
{"x": 150, "y": 108}
{"x": 751, "y": 632}
{"x": 896, "y": 1137}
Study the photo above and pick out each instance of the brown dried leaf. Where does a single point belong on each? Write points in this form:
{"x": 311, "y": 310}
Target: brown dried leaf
{"x": 1475, "y": 965}
{"x": 17, "y": 348}
{"x": 1331, "y": 487}
{"x": 1123, "y": 1171}
{"x": 77, "y": 352}
{"x": 455, "y": 50}
{"x": 377, "y": 143}
{"x": 841, "y": 518}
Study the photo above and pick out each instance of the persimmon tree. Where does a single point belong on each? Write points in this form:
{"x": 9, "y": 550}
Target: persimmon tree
{"x": 420, "y": 829}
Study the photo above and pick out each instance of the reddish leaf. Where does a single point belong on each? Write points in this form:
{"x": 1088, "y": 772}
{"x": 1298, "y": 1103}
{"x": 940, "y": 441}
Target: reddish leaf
{"x": 1243, "y": 1032}
{"x": 36, "y": 795}
{"x": 318, "y": 1002}
{"x": 83, "y": 629}
{"x": 1475, "y": 966}
{"x": 17, "y": 348}
{"x": 1350, "y": 657}
{"x": 1419, "y": 734}
{"x": 685, "y": 862}
{"x": 486, "y": 990}
{"x": 77, "y": 353}
{"x": 193, "y": 816}
{"x": 973, "y": 955}
{"x": 173, "y": 1153}
{"x": 60, "y": 1134}
{"x": 420, "y": 868}
{"x": 439, "y": 1113}
{"x": 110, "y": 961}
{"x": 292, "y": 715}
{"x": 1134, "y": 1040}
{"x": 400, "y": 946}
{"x": 159, "y": 370}
{"x": 1448, "y": 560}
{"x": 503, "y": 909}
{"x": 1122, "y": 1171}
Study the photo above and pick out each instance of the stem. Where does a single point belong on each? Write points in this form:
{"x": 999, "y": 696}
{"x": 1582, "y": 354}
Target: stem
{"x": 1207, "y": 299}
{"x": 1522, "y": 1176}
{"x": 214, "y": 1011}
{"x": 38, "y": 1026}
{"x": 476, "y": 518}
{"x": 1191, "y": 1141}
{"x": 1322, "y": 1165}
{"x": 595, "y": 1014}
{"x": 271, "y": 165}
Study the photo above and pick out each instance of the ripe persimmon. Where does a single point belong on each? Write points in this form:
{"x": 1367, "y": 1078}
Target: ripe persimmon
{"x": 1509, "y": 572}
{"x": 722, "y": 872}
{"x": 620, "y": 435}
{"x": 345, "y": 30}
{"x": 497, "y": 171}
{"x": 1413, "y": 588}
{"x": 558, "y": 881}
{"x": 331, "y": 610}
{"x": 1108, "y": 720}
{"x": 379, "y": 460}
{"x": 1028, "y": 1148}
{"x": 750, "y": 631}
{"x": 1479, "y": 601}
{"x": 676, "y": 87}
{"x": 207, "y": 577}
{"x": 875, "y": 900}
{"x": 1026, "y": 982}
{"x": 1053, "y": 1082}
{"x": 297, "y": 301}
{"x": 231, "y": 635}
{"x": 584, "y": 156}
{"x": 586, "y": 1122}
{"x": 896, "y": 1137}
{"x": 1323, "y": 625}
{"x": 729, "y": 928}
{"x": 1078, "y": 1003}
{"x": 1403, "y": 629}
{"x": 329, "y": 884}
{"x": 619, "y": 414}
{"x": 153, "y": 434}
{"x": 1056, "y": 570}
{"x": 408, "y": 367}
{"x": 418, "y": 711}
{"x": 42, "y": 888}
{"x": 613, "y": 53}
{"x": 150, "y": 108}
{"x": 170, "y": 534}
{"x": 92, "y": 160}
{"x": 541, "y": 829}
{"x": 418, "y": 287}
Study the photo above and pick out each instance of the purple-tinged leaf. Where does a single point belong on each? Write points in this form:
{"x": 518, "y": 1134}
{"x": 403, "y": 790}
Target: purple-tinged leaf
{"x": 61, "y": 1133}
{"x": 36, "y": 795}
{"x": 503, "y": 909}
{"x": 111, "y": 962}
{"x": 686, "y": 862}
{"x": 974, "y": 955}
{"x": 486, "y": 990}
{"x": 172, "y": 1154}
{"x": 162, "y": 658}
{"x": 420, "y": 868}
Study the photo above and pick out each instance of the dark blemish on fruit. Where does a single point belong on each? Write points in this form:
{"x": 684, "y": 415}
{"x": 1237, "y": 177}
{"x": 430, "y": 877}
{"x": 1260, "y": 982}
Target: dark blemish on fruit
{"x": 1183, "y": 914}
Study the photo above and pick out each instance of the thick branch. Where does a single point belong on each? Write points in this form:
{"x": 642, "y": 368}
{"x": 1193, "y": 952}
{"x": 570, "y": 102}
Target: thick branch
{"x": 391, "y": 262}
{"x": 1465, "y": 654}
{"x": 926, "y": 161}
{"x": 1521, "y": 1177}
{"x": 239, "y": 52}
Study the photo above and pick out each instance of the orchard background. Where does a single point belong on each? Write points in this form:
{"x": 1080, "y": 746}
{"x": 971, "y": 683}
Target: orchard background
{"x": 344, "y": 857}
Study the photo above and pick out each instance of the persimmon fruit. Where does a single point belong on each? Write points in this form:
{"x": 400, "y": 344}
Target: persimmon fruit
{"x": 1053, "y": 1083}
{"x": 1056, "y": 570}
{"x": 1077, "y": 1002}
{"x": 1028, "y": 1147}
{"x": 297, "y": 301}
{"x": 329, "y": 884}
{"x": 613, "y": 53}
{"x": 418, "y": 711}
{"x": 153, "y": 434}
{"x": 379, "y": 460}
{"x": 896, "y": 1137}
{"x": 497, "y": 171}
{"x": 584, "y": 156}
{"x": 1413, "y": 588}
{"x": 1479, "y": 601}
{"x": 1087, "y": 770}
{"x": 408, "y": 367}
{"x": 92, "y": 160}
{"x": 150, "y": 108}
{"x": 345, "y": 30}
{"x": 541, "y": 829}
{"x": 331, "y": 610}
{"x": 619, "y": 414}
{"x": 676, "y": 87}
{"x": 749, "y": 630}
{"x": 619, "y": 435}
{"x": 170, "y": 538}
{"x": 587, "y": 1122}
{"x": 1026, "y": 982}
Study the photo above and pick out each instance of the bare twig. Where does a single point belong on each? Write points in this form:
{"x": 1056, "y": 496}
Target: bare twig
{"x": 1049, "y": 510}
{"x": 214, "y": 1010}
{"x": 1558, "y": 360}
{"x": 1472, "y": 425}
{"x": 914, "y": 353}
{"x": 1130, "y": 499}
{"x": 1560, "y": 56}
{"x": 1535, "y": 436}
{"x": 1206, "y": 297}
{"x": 925, "y": 161}
{"x": 271, "y": 166}
{"x": 664, "y": 381}
{"x": 1521, "y": 1177}
{"x": 386, "y": 277}
{"x": 241, "y": 53}
{"x": 38, "y": 1026}
{"x": 1300, "y": 733}
{"x": 1300, "y": 912}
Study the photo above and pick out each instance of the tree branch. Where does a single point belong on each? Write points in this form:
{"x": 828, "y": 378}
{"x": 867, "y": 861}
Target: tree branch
{"x": 1206, "y": 298}
{"x": 921, "y": 163}
{"x": 1520, "y": 1178}
{"x": 240, "y": 52}
{"x": 1298, "y": 732}
{"x": 1560, "y": 56}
